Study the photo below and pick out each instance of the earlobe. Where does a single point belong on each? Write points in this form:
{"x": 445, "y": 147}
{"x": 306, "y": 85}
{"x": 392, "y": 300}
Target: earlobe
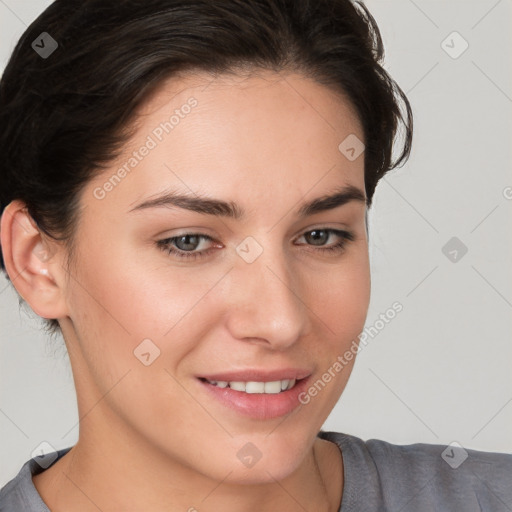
{"x": 33, "y": 270}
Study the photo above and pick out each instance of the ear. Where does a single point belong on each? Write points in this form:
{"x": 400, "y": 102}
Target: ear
{"x": 37, "y": 275}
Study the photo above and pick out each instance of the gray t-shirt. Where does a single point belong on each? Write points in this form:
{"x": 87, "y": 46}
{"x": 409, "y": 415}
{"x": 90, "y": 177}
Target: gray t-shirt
{"x": 378, "y": 477}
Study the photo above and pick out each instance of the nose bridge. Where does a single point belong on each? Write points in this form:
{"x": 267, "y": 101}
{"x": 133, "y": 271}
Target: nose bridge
{"x": 268, "y": 305}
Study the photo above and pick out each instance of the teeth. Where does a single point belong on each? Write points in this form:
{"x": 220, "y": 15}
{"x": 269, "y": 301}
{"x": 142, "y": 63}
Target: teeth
{"x": 255, "y": 387}
{"x": 237, "y": 386}
{"x": 273, "y": 387}
{"x": 251, "y": 387}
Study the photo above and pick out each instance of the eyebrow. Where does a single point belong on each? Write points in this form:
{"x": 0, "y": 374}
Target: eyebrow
{"x": 229, "y": 209}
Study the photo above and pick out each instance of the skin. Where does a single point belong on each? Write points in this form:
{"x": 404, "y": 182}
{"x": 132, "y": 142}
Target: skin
{"x": 149, "y": 436}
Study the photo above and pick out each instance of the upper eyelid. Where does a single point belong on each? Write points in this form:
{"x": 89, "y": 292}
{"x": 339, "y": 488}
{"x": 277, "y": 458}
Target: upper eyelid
{"x": 199, "y": 232}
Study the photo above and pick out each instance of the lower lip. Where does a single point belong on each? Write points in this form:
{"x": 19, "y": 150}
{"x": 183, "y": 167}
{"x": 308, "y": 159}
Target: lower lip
{"x": 261, "y": 406}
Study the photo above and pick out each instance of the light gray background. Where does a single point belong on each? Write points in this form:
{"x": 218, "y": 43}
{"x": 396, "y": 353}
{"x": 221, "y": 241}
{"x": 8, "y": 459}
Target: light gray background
{"x": 440, "y": 370}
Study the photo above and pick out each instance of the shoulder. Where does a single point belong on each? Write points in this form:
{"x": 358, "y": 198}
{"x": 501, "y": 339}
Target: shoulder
{"x": 13, "y": 493}
{"x": 20, "y": 493}
{"x": 421, "y": 476}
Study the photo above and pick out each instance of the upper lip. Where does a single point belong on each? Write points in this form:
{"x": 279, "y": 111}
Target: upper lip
{"x": 256, "y": 375}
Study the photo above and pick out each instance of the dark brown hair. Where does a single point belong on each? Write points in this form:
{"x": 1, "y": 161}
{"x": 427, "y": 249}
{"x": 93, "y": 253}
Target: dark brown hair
{"x": 64, "y": 117}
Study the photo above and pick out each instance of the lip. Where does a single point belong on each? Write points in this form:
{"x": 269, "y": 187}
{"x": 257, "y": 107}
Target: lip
{"x": 256, "y": 375}
{"x": 258, "y": 406}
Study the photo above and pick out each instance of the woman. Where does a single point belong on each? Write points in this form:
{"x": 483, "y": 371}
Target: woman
{"x": 185, "y": 188}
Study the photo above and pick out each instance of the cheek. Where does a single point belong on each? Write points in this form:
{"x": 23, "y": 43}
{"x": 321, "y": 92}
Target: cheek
{"x": 340, "y": 297}
{"x": 121, "y": 302}
{"x": 114, "y": 306}
{"x": 128, "y": 291}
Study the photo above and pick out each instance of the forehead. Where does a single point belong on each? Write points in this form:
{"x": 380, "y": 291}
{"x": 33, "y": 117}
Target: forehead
{"x": 234, "y": 134}
{"x": 254, "y": 89}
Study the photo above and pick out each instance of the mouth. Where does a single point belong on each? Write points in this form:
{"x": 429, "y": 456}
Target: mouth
{"x": 255, "y": 387}
{"x": 257, "y": 395}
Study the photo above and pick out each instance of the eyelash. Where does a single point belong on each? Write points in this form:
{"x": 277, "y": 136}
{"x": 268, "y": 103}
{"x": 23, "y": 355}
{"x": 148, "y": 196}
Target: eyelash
{"x": 165, "y": 245}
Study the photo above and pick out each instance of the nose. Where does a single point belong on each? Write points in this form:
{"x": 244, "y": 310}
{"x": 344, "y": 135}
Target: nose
{"x": 267, "y": 302}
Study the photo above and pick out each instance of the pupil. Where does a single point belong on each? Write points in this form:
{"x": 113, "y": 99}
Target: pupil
{"x": 316, "y": 238}
{"x": 187, "y": 237}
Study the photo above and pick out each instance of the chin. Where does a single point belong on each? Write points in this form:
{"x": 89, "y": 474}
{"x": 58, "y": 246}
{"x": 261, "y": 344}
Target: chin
{"x": 262, "y": 459}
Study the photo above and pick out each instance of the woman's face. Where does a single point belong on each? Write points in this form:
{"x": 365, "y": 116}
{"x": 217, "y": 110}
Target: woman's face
{"x": 260, "y": 294}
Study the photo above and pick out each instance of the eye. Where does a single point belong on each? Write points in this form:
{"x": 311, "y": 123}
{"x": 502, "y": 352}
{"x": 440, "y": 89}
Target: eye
{"x": 317, "y": 236}
{"x": 185, "y": 246}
